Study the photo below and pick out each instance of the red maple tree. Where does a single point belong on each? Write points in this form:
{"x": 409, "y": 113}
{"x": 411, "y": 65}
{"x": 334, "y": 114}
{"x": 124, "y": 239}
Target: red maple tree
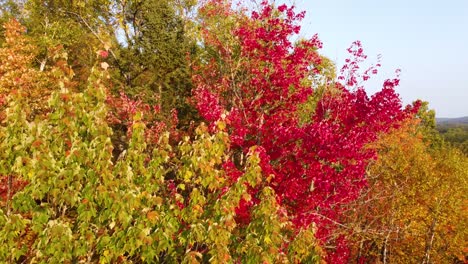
{"x": 256, "y": 84}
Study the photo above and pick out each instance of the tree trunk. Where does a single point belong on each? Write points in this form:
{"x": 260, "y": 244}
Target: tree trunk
{"x": 429, "y": 242}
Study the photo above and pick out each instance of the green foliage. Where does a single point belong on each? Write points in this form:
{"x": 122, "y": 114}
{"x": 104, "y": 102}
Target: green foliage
{"x": 174, "y": 205}
{"x": 151, "y": 63}
{"x": 427, "y": 126}
{"x": 76, "y": 26}
{"x": 152, "y": 59}
{"x": 324, "y": 84}
{"x": 456, "y": 135}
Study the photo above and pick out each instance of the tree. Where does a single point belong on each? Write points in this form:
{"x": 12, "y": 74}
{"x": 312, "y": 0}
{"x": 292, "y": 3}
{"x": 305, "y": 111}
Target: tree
{"x": 9, "y": 9}
{"x": 457, "y": 136}
{"x": 413, "y": 209}
{"x": 144, "y": 44}
{"x": 79, "y": 27}
{"x": 68, "y": 211}
{"x": 179, "y": 202}
{"x": 154, "y": 50}
{"x": 18, "y": 69}
{"x": 255, "y": 78}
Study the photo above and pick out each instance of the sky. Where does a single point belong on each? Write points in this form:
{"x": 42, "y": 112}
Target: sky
{"x": 427, "y": 40}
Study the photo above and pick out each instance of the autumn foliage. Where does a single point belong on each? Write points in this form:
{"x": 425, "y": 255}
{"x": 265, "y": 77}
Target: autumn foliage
{"x": 256, "y": 83}
{"x": 285, "y": 161}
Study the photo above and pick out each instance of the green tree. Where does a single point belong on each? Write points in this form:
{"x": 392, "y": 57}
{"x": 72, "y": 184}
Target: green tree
{"x": 79, "y": 27}
{"x": 152, "y": 56}
{"x": 457, "y": 136}
{"x": 143, "y": 42}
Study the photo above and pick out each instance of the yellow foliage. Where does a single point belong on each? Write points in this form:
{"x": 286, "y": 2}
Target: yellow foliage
{"x": 20, "y": 74}
{"x": 415, "y": 209}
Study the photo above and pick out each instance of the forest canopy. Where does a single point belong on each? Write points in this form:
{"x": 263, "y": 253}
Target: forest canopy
{"x": 184, "y": 131}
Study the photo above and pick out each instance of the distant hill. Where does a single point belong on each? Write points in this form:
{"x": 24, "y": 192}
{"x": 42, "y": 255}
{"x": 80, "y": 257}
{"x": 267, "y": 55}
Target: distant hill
{"x": 454, "y": 131}
{"x": 452, "y": 121}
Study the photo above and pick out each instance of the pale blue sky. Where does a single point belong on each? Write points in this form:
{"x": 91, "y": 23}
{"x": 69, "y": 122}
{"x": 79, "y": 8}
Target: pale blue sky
{"x": 427, "y": 40}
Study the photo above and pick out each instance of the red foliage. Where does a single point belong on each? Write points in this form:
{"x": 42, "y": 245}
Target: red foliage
{"x": 103, "y": 54}
{"x": 123, "y": 109}
{"x": 16, "y": 185}
{"x": 350, "y": 72}
{"x": 319, "y": 166}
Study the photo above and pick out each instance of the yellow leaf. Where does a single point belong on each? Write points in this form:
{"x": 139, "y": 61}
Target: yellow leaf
{"x": 152, "y": 216}
{"x": 158, "y": 200}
